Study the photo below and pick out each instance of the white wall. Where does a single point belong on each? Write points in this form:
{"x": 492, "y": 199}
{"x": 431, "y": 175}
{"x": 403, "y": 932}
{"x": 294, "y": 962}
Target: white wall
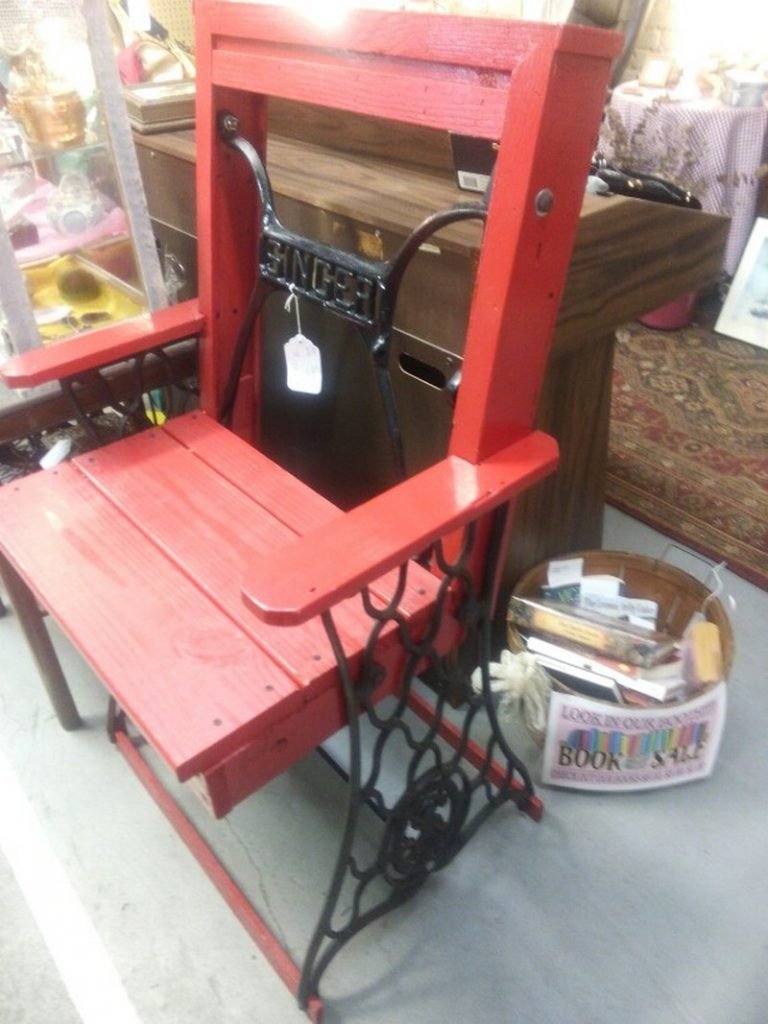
{"x": 695, "y": 30}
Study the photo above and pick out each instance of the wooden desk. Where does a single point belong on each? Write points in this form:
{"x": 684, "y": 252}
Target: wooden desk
{"x": 630, "y": 256}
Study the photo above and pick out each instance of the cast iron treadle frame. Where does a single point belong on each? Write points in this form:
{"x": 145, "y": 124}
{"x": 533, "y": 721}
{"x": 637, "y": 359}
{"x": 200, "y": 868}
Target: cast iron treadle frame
{"x": 537, "y": 89}
{"x": 176, "y": 390}
{"x": 452, "y": 781}
{"x": 361, "y": 291}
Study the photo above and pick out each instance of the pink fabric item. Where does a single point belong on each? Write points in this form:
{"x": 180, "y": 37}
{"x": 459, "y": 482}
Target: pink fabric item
{"x": 51, "y": 243}
{"x": 130, "y": 67}
{"x": 672, "y": 315}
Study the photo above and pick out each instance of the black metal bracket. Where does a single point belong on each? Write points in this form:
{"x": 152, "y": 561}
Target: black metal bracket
{"x": 455, "y": 764}
{"x": 359, "y": 290}
{"x": 151, "y": 373}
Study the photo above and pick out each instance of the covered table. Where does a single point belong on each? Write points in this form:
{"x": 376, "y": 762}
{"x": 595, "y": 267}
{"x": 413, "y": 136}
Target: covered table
{"x": 722, "y": 147}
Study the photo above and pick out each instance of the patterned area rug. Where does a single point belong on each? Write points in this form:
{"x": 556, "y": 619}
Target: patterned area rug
{"x": 688, "y": 447}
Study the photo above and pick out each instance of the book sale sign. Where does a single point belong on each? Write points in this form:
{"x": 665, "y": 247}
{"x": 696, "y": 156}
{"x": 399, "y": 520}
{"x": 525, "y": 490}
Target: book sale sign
{"x": 600, "y": 746}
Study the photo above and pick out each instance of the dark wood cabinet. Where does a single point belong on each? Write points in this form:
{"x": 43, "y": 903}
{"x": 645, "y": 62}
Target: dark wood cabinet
{"x": 630, "y": 256}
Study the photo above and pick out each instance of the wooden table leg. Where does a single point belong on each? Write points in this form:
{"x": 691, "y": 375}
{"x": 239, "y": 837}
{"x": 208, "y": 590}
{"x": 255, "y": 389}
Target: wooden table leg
{"x": 31, "y": 621}
{"x": 565, "y": 512}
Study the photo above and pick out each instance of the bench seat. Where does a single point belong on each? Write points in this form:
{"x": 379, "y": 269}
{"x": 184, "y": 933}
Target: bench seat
{"x": 217, "y": 597}
{"x": 140, "y": 550}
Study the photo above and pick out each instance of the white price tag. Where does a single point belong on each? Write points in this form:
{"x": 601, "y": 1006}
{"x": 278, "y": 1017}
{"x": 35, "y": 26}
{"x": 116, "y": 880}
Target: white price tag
{"x": 600, "y": 586}
{"x": 302, "y": 360}
{"x": 564, "y": 571}
{"x": 139, "y": 15}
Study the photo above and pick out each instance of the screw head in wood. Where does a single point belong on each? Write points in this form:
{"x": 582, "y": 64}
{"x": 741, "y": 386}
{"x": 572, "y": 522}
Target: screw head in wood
{"x": 545, "y": 200}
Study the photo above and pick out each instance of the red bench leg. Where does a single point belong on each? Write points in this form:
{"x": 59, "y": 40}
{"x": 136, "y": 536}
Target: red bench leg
{"x": 235, "y": 898}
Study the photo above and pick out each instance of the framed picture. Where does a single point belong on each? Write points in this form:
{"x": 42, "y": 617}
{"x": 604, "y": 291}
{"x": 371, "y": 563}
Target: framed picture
{"x": 745, "y": 312}
{"x": 656, "y": 73}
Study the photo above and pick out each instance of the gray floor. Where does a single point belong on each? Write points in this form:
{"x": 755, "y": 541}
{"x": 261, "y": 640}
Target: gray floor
{"x": 646, "y": 908}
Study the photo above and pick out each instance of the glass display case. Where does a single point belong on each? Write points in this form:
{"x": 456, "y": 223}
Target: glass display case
{"x": 76, "y": 246}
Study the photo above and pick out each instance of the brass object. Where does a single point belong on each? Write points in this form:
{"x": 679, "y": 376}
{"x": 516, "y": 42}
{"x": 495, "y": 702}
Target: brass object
{"x": 55, "y": 120}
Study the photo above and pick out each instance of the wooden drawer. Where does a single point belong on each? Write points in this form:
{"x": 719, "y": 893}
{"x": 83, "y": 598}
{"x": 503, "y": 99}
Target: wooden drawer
{"x": 169, "y": 183}
{"x": 183, "y": 248}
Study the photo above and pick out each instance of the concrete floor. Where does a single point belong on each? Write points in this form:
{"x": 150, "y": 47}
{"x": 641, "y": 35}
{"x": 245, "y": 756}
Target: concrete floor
{"x": 646, "y": 908}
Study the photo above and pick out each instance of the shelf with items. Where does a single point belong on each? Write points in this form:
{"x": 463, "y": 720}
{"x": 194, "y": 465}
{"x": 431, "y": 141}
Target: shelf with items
{"x": 78, "y": 251}
{"x": 71, "y": 293}
{"x": 72, "y": 244}
{"x": 47, "y": 220}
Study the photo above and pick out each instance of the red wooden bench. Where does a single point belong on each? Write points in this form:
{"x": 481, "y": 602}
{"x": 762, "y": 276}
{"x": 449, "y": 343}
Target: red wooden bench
{"x": 237, "y": 618}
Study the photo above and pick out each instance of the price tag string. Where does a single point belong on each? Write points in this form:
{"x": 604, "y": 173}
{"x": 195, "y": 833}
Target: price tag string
{"x": 293, "y": 300}
{"x": 304, "y": 368}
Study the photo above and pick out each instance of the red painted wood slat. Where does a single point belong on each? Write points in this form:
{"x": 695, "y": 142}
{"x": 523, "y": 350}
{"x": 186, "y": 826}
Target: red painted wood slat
{"x": 469, "y": 104}
{"x": 534, "y": 208}
{"x": 191, "y": 679}
{"x": 333, "y": 561}
{"x": 103, "y": 347}
{"x": 284, "y": 496}
{"x": 212, "y": 530}
{"x": 468, "y": 41}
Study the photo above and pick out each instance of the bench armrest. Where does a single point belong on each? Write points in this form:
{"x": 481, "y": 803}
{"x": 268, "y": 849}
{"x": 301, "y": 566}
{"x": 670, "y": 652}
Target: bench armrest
{"x": 103, "y": 346}
{"x": 336, "y": 560}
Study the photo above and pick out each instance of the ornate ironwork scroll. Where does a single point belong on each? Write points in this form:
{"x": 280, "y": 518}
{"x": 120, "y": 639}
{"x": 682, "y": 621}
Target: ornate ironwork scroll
{"x": 154, "y": 382}
{"x": 360, "y": 290}
{"x": 453, "y": 763}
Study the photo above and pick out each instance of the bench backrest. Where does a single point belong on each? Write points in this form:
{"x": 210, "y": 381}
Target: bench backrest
{"x": 538, "y": 89}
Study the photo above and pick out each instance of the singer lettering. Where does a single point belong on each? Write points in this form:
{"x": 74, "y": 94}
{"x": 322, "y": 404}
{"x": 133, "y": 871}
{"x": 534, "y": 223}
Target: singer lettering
{"x": 320, "y": 278}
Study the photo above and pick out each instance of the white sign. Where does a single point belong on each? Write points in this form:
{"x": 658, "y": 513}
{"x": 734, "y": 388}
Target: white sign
{"x": 595, "y": 745}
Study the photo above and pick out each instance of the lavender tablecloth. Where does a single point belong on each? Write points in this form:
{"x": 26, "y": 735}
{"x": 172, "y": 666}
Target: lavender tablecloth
{"x": 722, "y": 146}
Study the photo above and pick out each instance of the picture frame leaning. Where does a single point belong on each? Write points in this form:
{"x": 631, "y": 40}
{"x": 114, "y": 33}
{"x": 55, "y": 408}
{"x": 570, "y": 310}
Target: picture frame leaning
{"x": 744, "y": 315}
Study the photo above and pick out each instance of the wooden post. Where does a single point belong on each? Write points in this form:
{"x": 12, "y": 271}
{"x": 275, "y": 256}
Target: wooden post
{"x": 31, "y": 621}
